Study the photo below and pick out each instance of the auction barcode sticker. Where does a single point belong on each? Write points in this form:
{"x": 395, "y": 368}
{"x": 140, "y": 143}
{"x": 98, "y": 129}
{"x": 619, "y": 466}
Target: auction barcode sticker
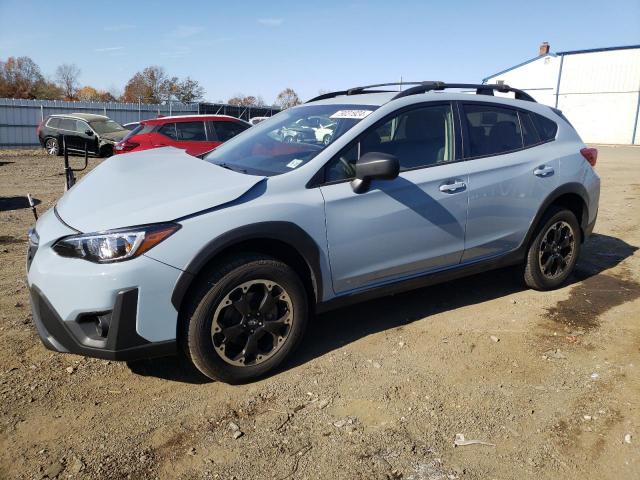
{"x": 359, "y": 114}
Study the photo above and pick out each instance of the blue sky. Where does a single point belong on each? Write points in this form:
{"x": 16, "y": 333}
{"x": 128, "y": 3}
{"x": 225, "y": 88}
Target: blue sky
{"x": 261, "y": 47}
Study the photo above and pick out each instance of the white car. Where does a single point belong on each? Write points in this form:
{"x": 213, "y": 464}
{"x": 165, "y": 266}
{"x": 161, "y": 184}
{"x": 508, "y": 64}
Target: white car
{"x": 324, "y": 132}
{"x": 256, "y": 120}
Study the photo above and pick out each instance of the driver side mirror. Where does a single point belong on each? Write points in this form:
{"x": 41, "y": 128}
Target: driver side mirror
{"x": 88, "y": 132}
{"x": 374, "y": 165}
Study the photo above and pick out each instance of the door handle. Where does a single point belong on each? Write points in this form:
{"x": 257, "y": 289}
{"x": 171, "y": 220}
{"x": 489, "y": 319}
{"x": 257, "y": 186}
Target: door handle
{"x": 543, "y": 171}
{"x": 453, "y": 187}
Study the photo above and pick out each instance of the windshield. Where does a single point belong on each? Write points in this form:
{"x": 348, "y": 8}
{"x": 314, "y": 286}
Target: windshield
{"x": 106, "y": 126}
{"x": 288, "y": 140}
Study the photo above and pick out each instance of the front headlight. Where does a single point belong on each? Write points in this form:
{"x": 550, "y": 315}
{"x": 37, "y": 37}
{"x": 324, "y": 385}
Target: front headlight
{"x": 114, "y": 245}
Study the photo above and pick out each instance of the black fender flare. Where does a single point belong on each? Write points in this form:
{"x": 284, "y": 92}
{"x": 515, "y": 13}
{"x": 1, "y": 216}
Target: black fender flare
{"x": 285, "y": 232}
{"x": 567, "y": 188}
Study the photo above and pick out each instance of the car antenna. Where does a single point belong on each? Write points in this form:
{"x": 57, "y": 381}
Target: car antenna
{"x": 70, "y": 178}
{"x": 69, "y": 173}
{"x": 32, "y": 205}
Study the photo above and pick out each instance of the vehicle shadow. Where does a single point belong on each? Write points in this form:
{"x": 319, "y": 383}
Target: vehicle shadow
{"x": 333, "y": 330}
{"x": 16, "y": 203}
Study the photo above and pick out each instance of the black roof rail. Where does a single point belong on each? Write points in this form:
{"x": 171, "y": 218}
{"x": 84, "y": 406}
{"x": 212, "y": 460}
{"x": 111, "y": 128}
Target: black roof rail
{"x": 361, "y": 90}
{"x": 423, "y": 87}
{"x": 481, "y": 89}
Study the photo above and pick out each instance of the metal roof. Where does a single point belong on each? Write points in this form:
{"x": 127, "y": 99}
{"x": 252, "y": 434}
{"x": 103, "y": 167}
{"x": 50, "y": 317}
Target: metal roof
{"x": 568, "y": 52}
{"x": 594, "y": 50}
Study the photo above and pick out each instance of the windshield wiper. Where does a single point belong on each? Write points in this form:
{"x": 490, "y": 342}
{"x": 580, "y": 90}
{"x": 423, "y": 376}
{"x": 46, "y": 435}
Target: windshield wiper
{"x": 229, "y": 167}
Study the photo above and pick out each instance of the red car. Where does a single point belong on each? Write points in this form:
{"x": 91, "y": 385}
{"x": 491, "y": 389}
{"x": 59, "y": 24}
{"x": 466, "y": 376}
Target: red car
{"x": 196, "y": 134}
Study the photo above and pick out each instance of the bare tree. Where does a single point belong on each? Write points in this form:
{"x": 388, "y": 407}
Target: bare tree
{"x": 287, "y": 98}
{"x": 67, "y": 79}
{"x": 188, "y": 90}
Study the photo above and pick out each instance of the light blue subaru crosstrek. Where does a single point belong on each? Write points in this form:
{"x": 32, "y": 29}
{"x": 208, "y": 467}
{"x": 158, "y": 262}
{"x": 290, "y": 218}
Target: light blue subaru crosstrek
{"x": 225, "y": 258}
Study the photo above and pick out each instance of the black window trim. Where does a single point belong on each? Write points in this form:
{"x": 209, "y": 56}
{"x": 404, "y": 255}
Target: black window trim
{"x": 465, "y": 131}
{"x": 318, "y": 180}
{"x": 212, "y": 135}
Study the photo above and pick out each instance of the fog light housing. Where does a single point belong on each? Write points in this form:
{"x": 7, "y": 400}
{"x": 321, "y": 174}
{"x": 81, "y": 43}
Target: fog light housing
{"x": 102, "y": 325}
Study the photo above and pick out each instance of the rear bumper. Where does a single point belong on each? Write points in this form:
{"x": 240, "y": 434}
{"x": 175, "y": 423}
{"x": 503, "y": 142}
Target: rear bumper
{"x": 80, "y": 336}
{"x": 588, "y": 229}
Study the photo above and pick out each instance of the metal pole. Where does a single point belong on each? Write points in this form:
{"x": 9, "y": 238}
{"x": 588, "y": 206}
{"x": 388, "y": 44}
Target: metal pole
{"x": 41, "y": 112}
{"x": 559, "y": 77}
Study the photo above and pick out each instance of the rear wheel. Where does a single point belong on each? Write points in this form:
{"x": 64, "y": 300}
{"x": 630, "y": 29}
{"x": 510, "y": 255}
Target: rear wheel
{"x": 52, "y": 147}
{"x": 554, "y": 251}
{"x": 244, "y": 318}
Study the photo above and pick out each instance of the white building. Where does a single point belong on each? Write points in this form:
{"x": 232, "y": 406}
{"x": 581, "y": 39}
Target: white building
{"x": 598, "y": 90}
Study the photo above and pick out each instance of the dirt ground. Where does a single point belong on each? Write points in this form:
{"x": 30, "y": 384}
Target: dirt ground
{"x": 377, "y": 391}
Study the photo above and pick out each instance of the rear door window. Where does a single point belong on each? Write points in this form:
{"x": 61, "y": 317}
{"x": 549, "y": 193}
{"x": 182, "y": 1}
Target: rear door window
{"x": 227, "y": 130}
{"x": 191, "y": 131}
{"x": 53, "y": 122}
{"x": 168, "y": 130}
{"x": 491, "y": 130}
{"x": 67, "y": 124}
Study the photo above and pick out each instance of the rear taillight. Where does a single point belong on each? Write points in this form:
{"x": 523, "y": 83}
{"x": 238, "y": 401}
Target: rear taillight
{"x": 590, "y": 155}
{"x": 39, "y": 128}
{"x": 125, "y": 146}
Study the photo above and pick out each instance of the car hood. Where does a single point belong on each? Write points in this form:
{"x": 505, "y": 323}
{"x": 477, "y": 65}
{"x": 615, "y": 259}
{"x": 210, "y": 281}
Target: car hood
{"x": 150, "y": 186}
{"x": 115, "y": 136}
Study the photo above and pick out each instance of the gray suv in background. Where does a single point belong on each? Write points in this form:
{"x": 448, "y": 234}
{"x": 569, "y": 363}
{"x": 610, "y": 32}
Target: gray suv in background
{"x": 225, "y": 259}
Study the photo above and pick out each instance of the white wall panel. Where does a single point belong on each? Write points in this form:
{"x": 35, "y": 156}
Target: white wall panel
{"x": 601, "y": 117}
{"x": 608, "y": 71}
{"x": 598, "y": 91}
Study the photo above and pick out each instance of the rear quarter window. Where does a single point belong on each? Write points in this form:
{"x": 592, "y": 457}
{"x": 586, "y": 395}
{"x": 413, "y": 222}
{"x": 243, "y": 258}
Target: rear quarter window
{"x": 529, "y": 133}
{"x": 546, "y": 128}
{"x": 140, "y": 129}
{"x": 53, "y": 122}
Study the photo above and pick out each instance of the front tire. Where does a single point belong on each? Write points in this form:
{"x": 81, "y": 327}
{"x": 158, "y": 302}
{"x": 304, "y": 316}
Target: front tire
{"x": 553, "y": 254}
{"x": 244, "y": 318}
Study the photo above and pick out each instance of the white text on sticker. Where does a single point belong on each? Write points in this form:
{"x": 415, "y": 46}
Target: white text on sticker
{"x": 359, "y": 114}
